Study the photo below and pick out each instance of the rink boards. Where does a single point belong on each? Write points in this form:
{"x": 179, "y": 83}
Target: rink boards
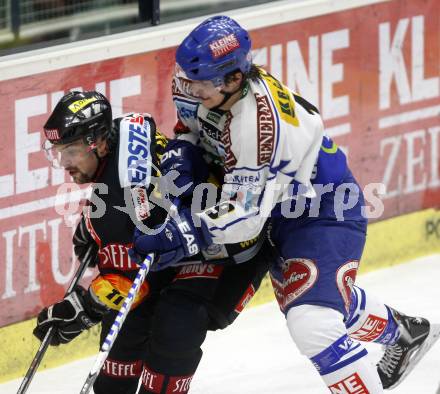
{"x": 389, "y": 242}
{"x": 372, "y": 70}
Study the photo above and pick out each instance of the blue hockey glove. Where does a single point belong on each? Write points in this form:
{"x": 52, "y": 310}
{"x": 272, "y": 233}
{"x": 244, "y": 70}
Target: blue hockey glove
{"x": 179, "y": 238}
{"x": 187, "y": 161}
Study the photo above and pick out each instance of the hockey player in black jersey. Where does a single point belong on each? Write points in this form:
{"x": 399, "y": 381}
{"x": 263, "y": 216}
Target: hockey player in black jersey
{"x": 161, "y": 337}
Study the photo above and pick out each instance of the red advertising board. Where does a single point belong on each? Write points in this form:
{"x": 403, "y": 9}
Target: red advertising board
{"x": 374, "y": 73}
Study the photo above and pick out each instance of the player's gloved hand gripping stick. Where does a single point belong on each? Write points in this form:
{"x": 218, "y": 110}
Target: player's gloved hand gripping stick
{"x": 179, "y": 238}
{"x": 88, "y": 258}
{"x": 117, "y": 324}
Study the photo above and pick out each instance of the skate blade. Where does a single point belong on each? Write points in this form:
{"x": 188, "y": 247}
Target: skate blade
{"x": 431, "y": 339}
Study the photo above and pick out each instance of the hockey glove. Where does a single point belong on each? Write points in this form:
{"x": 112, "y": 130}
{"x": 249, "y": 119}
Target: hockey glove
{"x": 186, "y": 160}
{"x": 179, "y": 238}
{"x": 81, "y": 242}
{"x": 75, "y": 313}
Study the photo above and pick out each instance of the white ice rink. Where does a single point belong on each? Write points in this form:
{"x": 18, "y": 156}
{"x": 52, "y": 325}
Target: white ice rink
{"x": 256, "y": 355}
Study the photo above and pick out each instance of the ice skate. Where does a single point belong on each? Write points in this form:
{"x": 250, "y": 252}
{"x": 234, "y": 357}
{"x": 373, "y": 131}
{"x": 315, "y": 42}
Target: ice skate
{"x": 416, "y": 338}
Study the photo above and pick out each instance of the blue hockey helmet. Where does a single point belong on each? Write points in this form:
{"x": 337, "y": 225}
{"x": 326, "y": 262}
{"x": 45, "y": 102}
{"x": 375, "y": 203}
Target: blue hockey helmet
{"x": 216, "y": 47}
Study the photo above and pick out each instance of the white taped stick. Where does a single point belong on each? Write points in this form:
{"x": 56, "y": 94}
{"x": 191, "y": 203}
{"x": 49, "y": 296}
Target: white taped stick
{"x": 117, "y": 324}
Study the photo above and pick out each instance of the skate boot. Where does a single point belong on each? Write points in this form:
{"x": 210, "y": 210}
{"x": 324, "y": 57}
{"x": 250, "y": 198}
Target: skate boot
{"x": 417, "y": 336}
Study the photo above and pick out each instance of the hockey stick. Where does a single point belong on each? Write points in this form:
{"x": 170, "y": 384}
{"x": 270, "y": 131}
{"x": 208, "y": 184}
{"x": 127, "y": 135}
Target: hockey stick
{"x": 50, "y": 333}
{"x": 117, "y": 324}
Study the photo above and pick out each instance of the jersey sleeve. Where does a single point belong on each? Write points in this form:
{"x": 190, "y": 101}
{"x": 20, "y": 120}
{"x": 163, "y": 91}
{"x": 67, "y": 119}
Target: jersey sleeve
{"x": 187, "y": 127}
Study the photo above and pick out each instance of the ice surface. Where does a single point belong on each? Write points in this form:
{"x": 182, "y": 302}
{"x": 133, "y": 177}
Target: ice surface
{"x": 256, "y": 356}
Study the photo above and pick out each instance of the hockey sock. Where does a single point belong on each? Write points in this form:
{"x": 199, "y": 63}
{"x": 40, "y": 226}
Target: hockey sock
{"x": 118, "y": 376}
{"x": 156, "y": 383}
{"x": 320, "y": 334}
{"x": 345, "y": 368}
{"x": 370, "y": 320}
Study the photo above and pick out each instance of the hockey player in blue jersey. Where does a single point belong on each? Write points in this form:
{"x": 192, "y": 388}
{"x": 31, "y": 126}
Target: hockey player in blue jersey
{"x": 281, "y": 170}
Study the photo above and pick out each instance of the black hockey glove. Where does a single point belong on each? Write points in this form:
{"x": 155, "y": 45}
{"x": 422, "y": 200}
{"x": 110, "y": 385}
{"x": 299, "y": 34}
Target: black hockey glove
{"x": 81, "y": 242}
{"x": 75, "y": 313}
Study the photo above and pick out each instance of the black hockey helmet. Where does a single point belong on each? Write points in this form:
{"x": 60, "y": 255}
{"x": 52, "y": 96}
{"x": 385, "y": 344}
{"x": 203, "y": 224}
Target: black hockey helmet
{"x": 78, "y": 115}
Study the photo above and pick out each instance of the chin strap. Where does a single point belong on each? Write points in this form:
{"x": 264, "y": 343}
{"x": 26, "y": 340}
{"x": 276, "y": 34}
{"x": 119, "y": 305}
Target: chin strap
{"x": 101, "y": 164}
{"x": 101, "y": 160}
{"x": 111, "y": 137}
{"x": 226, "y": 97}
{"x": 244, "y": 87}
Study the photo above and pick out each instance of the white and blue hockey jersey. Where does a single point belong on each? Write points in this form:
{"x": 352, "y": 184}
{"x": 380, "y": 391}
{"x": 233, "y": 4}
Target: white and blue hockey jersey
{"x": 270, "y": 144}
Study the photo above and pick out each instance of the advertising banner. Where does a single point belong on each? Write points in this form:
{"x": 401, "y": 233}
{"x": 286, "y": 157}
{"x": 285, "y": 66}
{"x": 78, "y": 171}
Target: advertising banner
{"x": 374, "y": 73}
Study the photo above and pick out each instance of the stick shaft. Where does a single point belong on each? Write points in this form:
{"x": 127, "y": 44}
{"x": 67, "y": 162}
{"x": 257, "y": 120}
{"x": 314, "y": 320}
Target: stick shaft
{"x": 48, "y": 337}
{"x": 117, "y": 325}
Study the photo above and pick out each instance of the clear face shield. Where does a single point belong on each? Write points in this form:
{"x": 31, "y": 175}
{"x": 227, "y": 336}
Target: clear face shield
{"x": 67, "y": 155}
{"x": 197, "y": 90}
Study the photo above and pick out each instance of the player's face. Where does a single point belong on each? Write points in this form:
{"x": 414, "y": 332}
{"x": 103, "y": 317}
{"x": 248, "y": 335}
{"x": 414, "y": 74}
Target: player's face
{"x": 213, "y": 101}
{"x": 76, "y": 158}
{"x": 209, "y": 94}
{"x": 216, "y": 99}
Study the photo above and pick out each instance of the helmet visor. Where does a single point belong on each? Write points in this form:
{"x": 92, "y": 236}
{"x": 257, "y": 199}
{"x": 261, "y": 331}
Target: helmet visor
{"x": 197, "y": 90}
{"x": 66, "y": 155}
